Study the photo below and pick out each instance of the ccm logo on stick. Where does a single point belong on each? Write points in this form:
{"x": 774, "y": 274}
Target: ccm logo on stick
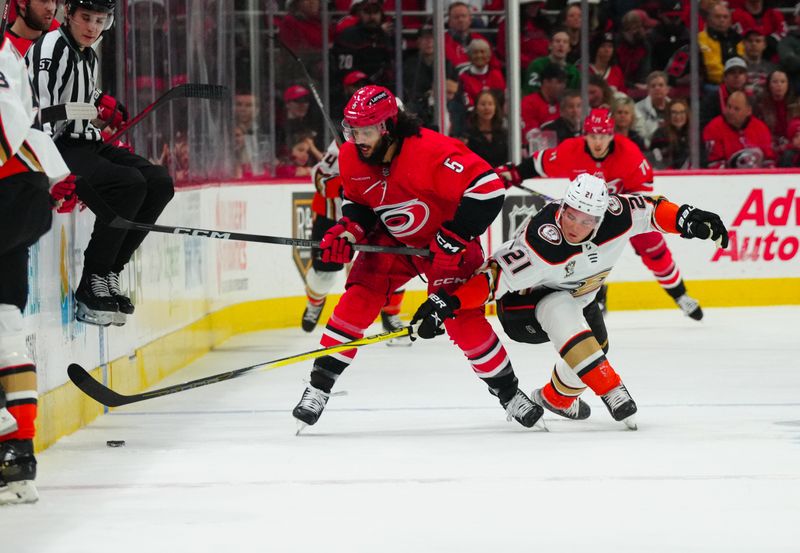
{"x": 199, "y": 232}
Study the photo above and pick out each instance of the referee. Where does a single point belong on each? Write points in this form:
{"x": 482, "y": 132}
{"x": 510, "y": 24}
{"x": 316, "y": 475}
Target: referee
{"x": 63, "y": 67}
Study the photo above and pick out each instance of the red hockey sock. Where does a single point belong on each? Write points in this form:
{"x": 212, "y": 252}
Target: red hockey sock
{"x": 602, "y": 378}
{"x": 556, "y": 398}
{"x": 392, "y": 307}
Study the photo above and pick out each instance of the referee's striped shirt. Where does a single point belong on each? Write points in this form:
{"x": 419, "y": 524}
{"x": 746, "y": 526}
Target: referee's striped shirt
{"x": 61, "y": 73}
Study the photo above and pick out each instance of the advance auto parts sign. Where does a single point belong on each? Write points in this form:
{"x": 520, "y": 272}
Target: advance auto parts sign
{"x": 302, "y": 219}
{"x": 766, "y": 227}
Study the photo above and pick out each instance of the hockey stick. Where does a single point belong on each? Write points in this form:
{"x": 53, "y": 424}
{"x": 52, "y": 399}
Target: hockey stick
{"x": 108, "y": 397}
{"x": 4, "y": 21}
{"x": 188, "y": 90}
{"x": 66, "y": 112}
{"x": 336, "y": 133}
{"x": 103, "y": 211}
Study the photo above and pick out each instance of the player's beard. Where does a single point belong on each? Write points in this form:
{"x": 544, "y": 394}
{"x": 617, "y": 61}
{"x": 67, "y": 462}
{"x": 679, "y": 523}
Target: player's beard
{"x": 378, "y": 154}
{"x": 36, "y": 23}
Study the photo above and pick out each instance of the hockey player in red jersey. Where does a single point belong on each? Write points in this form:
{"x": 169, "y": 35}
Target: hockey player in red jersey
{"x": 321, "y": 276}
{"x": 546, "y": 278}
{"x": 617, "y": 160}
{"x": 411, "y": 186}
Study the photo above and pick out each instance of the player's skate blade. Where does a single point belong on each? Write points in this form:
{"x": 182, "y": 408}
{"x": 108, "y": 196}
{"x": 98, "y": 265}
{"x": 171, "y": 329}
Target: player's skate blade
{"x": 15, "y": 493}
{"x": 521, "y": 409}
{"x": 690, "y": 307}
{"x": 621, "y": 406}
{"x": 579, "y": 410}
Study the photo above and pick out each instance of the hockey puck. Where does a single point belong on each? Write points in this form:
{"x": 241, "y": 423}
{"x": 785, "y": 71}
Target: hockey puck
{"x": 115, "y": 443}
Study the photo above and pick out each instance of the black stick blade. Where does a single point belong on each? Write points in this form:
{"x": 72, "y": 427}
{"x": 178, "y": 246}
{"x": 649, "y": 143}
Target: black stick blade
{"x": 209, "y": 91}
{"x": 94, "y": 389}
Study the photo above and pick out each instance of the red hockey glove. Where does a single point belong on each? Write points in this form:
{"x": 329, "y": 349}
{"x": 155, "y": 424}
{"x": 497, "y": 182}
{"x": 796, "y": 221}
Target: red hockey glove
{"x": 105, "y": 135}
{"x": 433, "y": 312}
{"x": 447, "y": 248}
{"x": 337, "y": 244}
{"x": 111, "y": 111}
{"x": 63, "y": 196}
{"x": 510, "y": 175}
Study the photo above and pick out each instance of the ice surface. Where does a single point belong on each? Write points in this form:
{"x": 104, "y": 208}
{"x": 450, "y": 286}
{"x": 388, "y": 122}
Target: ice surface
{"x": 418, "y": 457}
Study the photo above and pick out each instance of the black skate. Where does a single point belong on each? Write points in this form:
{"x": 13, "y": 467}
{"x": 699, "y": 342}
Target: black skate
{"x": 621, "y": 405}
{"x": 311, "y": 316}
{"x": 578, "y": 411}
{"x": 311, "y": 405}
{"x": 96, "y": 305}
{"x": 17, "y": 472}
{"x": 524, "y": 411}
{"x": 124, "y": 302}
{"x": 392, "y": 323}
{"x": 690, "y": 307}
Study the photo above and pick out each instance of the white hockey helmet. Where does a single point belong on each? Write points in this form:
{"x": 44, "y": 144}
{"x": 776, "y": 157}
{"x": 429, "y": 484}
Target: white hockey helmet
{"x": 588, "y": 194}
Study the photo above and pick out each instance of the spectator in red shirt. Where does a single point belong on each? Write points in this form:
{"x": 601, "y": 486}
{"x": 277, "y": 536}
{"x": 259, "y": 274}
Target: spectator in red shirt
{"x": 791, "y": 155}
{"x": 752, "y": 14}
{"x": 34, "y": 18}
{"x": 774, "y": 105}
{"x": 542, "y": 106}
{"x": 633, "y": 53}
{"x": 458, "y": 36}
{"x": 301, "y": 30}
{"x": 534, "y": 40}
{"x": 478, "y": 76}
{"x": 736, "y": 139}
{"x": 605, "y": 64}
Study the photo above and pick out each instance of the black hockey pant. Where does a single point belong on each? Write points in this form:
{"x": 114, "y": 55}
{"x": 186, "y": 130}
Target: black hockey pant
{"x": 133, "y": 187}
{"x": 25, "y": 215}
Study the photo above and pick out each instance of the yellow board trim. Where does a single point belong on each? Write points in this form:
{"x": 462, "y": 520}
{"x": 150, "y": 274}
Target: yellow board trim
{"x": 65, "y": 409}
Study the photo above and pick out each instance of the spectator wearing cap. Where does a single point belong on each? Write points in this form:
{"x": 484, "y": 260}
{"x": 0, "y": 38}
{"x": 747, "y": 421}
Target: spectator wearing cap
{"x": 568, "y": 125}
{"x": 718, "y": 43}
{"x": 485, "y": 133}
{"x": 533, "y": 33}
{"x": 669, "y": 35}
{"x": 559, "y": 48}
{"x": 790, "y": 157}
{"x": 652, "y": 111}
{"x": 770, "y": 22}
{"x": 298, "y": 118}
{"x": 624, "y": 113}
{"x": 542, "y": 106}
{"x": 458, "y": 36}
{"x": 351, "y": 82}
{"x": 775, "y": 105}
{"x": 478, "y": 76}
{"x": 755, "y": 43}
{"x": 734, "y": 79}
{"x": 736, "y": 139}
{"x": 789, "y": 51}
{"x": 633, "y": 53}
{"x": 604, "y": 63}
{"x": 365, "y": 47}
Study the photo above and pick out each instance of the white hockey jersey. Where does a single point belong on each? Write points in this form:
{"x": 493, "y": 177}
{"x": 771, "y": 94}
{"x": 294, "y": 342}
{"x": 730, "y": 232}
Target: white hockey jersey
{"x": 325, "y": 176}
{"x": 23, "y": 148}
{"x": 539, "y": 256}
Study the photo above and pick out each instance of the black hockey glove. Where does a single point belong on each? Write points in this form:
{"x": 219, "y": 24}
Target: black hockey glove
{"x": 433, "y": 312}
{"x": 696, "y": 223}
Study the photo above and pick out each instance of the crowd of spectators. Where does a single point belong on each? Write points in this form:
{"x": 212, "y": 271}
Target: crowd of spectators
{"x": 638, "y": 67}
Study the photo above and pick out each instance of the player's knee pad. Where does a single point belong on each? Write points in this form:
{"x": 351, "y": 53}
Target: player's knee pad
{"x": 319, "y": 283}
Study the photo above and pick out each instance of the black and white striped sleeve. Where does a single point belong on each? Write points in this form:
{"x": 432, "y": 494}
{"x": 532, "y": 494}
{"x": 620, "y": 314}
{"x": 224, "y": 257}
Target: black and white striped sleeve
{"x": 50, "y": 67}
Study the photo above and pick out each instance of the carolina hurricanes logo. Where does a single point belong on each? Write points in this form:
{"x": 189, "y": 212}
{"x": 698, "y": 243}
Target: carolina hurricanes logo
{"x": 404, "y": 219}
{"x": 614, "y": 205}
{"x": 550, "y": 233}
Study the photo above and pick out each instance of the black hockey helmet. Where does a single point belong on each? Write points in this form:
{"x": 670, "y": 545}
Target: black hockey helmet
{"x": 101, "y": 6}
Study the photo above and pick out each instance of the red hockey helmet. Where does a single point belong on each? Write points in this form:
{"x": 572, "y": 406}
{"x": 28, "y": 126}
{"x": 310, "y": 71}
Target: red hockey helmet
{"x": 599, "y": 121}
{"x": 369, "y": 106}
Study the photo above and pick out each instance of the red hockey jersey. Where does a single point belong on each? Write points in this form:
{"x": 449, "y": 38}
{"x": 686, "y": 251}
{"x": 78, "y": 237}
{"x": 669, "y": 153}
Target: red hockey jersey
{"x": 422, "y": 187}
{"x": 745, "y": 148}
{"x": 624, "y": 168}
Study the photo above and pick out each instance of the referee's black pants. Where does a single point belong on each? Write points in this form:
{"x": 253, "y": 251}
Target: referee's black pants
{"x": 25, "y": 215}
{"x": 132, "y": 186}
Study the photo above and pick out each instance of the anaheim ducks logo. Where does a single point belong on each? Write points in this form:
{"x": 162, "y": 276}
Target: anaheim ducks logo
{"x": 614, "y": 205}
{"x": 404, "y": 219}
{"x": 550, "y": 233}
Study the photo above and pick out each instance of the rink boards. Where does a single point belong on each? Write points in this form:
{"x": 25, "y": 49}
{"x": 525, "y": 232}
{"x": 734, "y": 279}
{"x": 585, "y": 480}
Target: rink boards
{"x": 192, "y": 293}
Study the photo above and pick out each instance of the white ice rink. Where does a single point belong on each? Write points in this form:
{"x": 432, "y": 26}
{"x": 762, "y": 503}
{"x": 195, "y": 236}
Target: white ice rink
{"x": 418, "y": 457}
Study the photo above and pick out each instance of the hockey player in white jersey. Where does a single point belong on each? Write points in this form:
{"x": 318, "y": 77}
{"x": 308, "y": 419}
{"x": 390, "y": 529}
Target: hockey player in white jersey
{"x": 320, "y": 278}
{"x": 545, "y": 282}
{"x": 33, "y": 179}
